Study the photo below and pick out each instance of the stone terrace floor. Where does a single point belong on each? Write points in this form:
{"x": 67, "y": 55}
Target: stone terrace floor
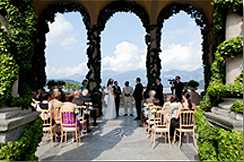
{"x": 119, "y": 139}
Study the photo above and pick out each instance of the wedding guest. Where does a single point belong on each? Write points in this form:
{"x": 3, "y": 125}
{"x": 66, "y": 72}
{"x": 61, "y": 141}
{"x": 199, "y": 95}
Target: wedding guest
{"x": 54, "y": 106}
{"x": 175, "y": 107}
{"x": 138, "y": 96}
{"x": 127, "y": 94}
{"x": 159, "y": 92}
{"x": 84, "y": 84}
{"x": 117, "y": 93}
{"x": 152, "y": 98}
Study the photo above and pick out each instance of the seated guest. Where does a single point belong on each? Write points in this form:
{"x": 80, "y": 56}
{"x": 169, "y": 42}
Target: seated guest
{"x": 186, "y": 102}
{"x": 152, "y": 98}
{"x": 54, "y": 106}
{"x": 77, "y": 98}
{"x": 166, "y": 110}
{"x": 43, "y": 105}
{"x": 175, "y": 107}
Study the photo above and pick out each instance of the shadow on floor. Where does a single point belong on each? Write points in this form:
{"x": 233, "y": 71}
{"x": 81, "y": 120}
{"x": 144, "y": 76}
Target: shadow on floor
{"x": 92, "y": 146}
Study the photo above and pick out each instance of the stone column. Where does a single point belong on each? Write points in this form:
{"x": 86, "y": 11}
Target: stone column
{"x": 94, "y": 58}
{"x": 153, "y": 62}
{"x": 14, "y": 91}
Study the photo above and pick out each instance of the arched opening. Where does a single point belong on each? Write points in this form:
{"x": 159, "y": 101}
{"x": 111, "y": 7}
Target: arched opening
{"x": 48, "y": 15}
{"x": 65, "y": 51}
{"x": 123, "y": 6}
{"x": 201, "y": 21}
{"x": 181, "y": 51}
{"x": 123, "y": 49}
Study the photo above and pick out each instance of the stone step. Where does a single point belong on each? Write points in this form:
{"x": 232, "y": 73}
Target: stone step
{"x": 8, "y": 124}
{"x": 224, "y": 121}
{"x": 220, "y": 111}
{"x": 9, "y": 113}
{"x": 227, "y": 103}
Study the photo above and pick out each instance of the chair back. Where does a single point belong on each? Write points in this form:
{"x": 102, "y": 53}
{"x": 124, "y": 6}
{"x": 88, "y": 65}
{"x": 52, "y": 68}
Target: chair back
{"x": 187, "y": 119}
{"x": 55, "y": 111}
{"x": 68, "y": 116}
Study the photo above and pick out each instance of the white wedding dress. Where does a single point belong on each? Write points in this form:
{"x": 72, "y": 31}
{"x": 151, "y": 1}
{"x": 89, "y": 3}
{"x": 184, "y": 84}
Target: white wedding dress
{"x": 109, "y": 108}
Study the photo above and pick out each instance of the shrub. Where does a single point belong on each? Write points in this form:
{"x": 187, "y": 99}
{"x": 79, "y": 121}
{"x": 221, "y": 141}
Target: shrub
{"x": 216, "y": 143}
{"x": 237, "y": 106}
{"x": 230, "y": 145}
{"x": 24, "y": 148}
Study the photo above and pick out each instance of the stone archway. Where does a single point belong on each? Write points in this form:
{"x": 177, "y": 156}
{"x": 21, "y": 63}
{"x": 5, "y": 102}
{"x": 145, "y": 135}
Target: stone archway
{"x": 94, "y": 51}
{"x": 201, "y": 20}
{"x": 38, "y": 59}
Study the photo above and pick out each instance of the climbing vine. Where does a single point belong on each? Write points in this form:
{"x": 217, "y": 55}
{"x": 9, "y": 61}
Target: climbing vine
{"x": 221, "y": 7}
{"x": 18, "y": 43}
{"x": 217, "y": 89}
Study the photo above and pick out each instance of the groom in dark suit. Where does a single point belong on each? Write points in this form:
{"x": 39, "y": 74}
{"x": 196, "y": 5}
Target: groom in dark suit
{"x": 117, "y": 93}
{"x": 138, "y": 96}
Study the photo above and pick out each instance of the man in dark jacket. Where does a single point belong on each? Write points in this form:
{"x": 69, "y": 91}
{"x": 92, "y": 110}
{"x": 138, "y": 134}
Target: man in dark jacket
{"x": 159, "y": 92}
{"x": 178, "y": 86}
{"x": 117, "y": 93}
{"x": 138, "y": 96}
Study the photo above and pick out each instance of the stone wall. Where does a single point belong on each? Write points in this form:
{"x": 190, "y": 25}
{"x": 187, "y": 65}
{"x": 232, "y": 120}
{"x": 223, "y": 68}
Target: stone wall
{"x": 233, "y": 68}
{"x": 234, "y": 26}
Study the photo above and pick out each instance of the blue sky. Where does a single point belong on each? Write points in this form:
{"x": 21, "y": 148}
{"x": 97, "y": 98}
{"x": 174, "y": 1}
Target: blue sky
{"x": 122, "y": 43}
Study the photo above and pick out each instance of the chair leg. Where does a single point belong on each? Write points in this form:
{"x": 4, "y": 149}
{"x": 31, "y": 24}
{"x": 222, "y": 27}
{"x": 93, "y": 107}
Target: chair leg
{"x": 66, "y": 136}
{"x": 169, "y": 137}
{"x": 62, "y": 135}
{"x": 174, "y": 137}
{"x": 154, "y": 138}
{"x": 194, "y": 139}
{"x": 76, "y": 136}
{"x": 179, "y": 139}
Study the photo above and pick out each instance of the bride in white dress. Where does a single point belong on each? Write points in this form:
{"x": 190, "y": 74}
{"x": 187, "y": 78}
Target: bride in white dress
{"x": 109, "y": 109}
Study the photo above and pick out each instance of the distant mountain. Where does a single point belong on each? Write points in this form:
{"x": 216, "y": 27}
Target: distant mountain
{"x": 121, "y": 77}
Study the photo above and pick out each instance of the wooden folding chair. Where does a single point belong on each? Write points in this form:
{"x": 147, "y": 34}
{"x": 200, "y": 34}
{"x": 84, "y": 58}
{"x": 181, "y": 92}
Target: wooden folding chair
{"x": 68, "y": 122}
{"x": 160, "y": 126}
{"x": 47, "y": 127}
{"x": 187, "y": 125}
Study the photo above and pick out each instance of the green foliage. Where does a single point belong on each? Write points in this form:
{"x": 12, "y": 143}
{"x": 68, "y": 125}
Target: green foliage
{"x": 24, "y": 148}
{"x": 206, "y": 137}
{"x": 237, "y": 106}
{"x": 53, "y": 83}
{"x": 205, "y": 103}
{"x": 220, "y": 9}
{"x": 16, "y": 46}
{"x": 217, "y": 144}
{"x": 8, "y": 72}
{"x": 72, "y": 86}
{"x": 227, "y": 49}
{"x": 230, "y": 145}
{"x": 192, "y": 84}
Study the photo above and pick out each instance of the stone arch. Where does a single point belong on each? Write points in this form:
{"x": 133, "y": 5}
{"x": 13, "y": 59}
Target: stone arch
{"x": 201, "y": 20}
{"x": 48, "y": 14}
{"x": 122, "y": 6}
{"x": 94, "y": 51}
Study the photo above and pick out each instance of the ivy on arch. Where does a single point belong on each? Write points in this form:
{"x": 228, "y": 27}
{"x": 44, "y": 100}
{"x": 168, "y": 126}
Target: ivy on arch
{"x": 48, "y": 15}
{"x": 200, "y": 19}
{"x": 21, "y": 21}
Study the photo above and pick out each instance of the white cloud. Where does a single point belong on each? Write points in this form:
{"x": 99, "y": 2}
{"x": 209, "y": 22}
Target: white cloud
{"x": 66, "y": 71}
{"x": 61, "y": 31}
{"x": 181, "y": 57}
{"x": 126, "y": 57}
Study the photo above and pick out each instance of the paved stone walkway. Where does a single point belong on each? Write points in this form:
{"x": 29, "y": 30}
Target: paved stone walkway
{"x": 120, "y": 139}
